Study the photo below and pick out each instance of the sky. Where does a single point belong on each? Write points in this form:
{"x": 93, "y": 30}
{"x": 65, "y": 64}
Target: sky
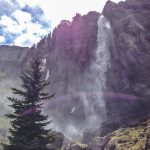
{"x": 25, "y": 22}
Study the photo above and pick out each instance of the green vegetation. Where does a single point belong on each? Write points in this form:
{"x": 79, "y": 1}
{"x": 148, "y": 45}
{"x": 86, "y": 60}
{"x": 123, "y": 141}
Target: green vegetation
{"x": 131, "y": 138}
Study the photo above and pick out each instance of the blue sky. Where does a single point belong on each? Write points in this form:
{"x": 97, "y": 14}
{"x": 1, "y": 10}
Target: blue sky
{"x": 25, "y": 22}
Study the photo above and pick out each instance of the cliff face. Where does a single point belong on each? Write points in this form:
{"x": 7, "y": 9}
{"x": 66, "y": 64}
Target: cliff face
{"x": 69, "y": 50}
{"x": 74, "y": 40}
{"x": 72, "y": 44}
{"x": 12, "y": 59}
{"x": 130, "y": 59}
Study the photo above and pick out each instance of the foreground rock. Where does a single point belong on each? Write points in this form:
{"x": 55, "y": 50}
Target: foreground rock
{"x": 130, "y": 138}
{"x": 135, "y": 136}
{"x": 77, "y": 146}
{"x": 99, "y": 143}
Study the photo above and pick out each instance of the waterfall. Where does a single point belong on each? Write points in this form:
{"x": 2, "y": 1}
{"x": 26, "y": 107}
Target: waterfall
{"x": 102, "y": 57}
{"x": 96, "y": 75}
{"x": 93, "y": 81}
{"x": 84, "y": 95}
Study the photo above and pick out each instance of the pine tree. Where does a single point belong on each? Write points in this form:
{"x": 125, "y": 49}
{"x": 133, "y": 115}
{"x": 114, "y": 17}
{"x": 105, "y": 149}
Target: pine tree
{"x": 28, "y": 130}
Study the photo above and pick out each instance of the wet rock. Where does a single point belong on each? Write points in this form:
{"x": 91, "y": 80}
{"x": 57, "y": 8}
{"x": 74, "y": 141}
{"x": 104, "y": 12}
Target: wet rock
{"x": 58, "y": 141}
{"x": 77, "y": 146}
{"x": 99, "y": 143}
{"x": 89, "y": 135}
{"x": 108, "y": 128}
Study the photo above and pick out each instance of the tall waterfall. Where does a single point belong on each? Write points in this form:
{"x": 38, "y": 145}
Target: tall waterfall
{"x": 84, "y": 93}
{"x": 101, "y": 63}
{"x": 96, "y": 75}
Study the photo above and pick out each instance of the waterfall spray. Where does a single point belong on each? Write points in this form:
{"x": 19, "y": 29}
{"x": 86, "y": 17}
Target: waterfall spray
{"x": 97, "y": 75}
{"x": 85, "y": 96}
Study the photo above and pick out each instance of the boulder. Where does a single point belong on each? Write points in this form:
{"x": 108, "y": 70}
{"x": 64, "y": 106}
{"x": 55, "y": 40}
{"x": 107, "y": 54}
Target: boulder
{"x": 79, "y": 146}
{"x": 88, "y": 135}
{"x": 99, "y": 143}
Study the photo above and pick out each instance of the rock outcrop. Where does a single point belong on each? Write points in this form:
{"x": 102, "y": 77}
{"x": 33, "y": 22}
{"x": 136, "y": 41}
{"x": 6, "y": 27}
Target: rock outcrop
{"x": 135, "y": 136}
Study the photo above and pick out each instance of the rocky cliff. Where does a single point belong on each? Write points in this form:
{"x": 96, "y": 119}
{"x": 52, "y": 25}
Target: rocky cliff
{"x": 127, "y": 92}
{"x": 12, "y": 59}
{"x": 130, "y": 57}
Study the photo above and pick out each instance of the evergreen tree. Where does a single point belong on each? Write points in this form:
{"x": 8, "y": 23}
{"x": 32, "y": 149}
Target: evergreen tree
{"x": 28, "y": 130}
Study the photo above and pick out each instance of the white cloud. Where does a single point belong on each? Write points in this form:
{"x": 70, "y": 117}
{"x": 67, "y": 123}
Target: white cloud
{"x": 2, "y": 39}
{"x": 4, "y": 20}
{"x": 34, "y": 28}
{"x": 27, "y": 33}
{"x": 9, "y": 25}
{"x": 32, "y": 35}
{"x": 27, "y": 39}
{"x": 22, "y": 17}
{"x": 12, "y": 26}
{"x": 30, "y": 3}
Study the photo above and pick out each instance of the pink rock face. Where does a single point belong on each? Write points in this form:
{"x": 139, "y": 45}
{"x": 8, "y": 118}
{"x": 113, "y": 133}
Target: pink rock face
{"x": 74, "y": 40}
